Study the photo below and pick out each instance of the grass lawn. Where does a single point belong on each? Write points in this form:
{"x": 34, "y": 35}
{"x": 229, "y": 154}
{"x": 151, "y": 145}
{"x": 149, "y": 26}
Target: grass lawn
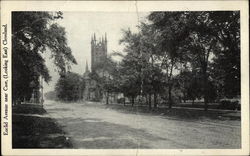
{"x": 180, "y": 113}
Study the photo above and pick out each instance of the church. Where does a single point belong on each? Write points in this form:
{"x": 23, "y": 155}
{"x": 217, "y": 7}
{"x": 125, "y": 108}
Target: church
{"x": 92, "y": 91}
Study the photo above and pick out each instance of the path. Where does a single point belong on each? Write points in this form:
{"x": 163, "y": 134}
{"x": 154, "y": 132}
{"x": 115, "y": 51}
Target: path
{"x": 92, "y": 125}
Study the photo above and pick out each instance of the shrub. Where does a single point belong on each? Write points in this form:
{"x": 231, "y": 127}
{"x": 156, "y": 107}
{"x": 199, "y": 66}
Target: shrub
{"x": 229, "y": 104}
{"x": 120, "y": 100}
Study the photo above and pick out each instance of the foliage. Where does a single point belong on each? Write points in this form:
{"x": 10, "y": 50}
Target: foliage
{"x": 226, "y": 66}
{"x": 34, "y": 33}
{"x": 231, "y": 104}
{"x": 172, "y": 29}
{"x": 69, "y": 87}
{"x": 195, "y": 37}
{"x": 189, "y": 83}
{"x": 107, "y": 78}
{"x": 130, "y": 77}
{"x": 198, "y": 41}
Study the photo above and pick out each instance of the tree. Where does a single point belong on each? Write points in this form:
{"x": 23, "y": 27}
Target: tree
{"x": 139, "y": 70}
{"x": 170, "y": 40}
{"x": 130, "y": 78}
{"x": 226, "y": 66}
{"x": 189, "y": 83}
{"x": 69, "y": 87}
{"x": 108, "y": 77}
{"x": 130, "y": 66}
{"x": 201, "y": 35}
{"x": 215, "y": 34}
{"x": 172, "y": 29}
{"x": 152, "y": 74}
{"x": 200, "y": 49}
{"x": 34, "y": 33}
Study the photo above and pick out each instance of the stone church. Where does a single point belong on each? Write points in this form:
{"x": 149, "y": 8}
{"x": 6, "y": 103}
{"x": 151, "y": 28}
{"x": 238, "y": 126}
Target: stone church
{"x": 92, "y": 91}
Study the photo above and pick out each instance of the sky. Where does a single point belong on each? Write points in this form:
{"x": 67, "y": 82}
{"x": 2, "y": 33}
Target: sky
{"x": 80, "y": 26}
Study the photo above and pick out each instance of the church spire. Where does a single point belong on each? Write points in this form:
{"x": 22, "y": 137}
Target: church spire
{"x": 105, "y": 37}
{"x": 86, "y": 67}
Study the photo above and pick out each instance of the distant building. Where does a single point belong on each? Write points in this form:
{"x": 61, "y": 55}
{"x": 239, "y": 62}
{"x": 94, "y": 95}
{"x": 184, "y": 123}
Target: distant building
{"x": 92, "y": 89}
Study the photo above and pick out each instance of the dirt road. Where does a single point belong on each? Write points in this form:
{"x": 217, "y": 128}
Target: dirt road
{"x": 92, "y": 125}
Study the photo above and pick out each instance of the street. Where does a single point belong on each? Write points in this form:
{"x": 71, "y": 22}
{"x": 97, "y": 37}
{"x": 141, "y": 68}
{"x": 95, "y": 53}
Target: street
{"x": 96, "y": 126}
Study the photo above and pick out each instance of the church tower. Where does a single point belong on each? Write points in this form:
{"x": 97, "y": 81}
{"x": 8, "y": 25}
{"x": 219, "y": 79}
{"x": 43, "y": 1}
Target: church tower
{"x": 98, "y": 51}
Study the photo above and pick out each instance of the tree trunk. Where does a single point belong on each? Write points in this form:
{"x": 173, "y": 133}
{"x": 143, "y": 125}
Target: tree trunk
{"x": 170, "y": 85}
{"x": 205, "y": 102}
{"x": 205, "y": 80}
{"x": 133, "y": 101}
{"x": 149, "y": 102}
{"x": 124, "y": 101}
{"x": 155, "y": 100}
{"x": 107, "y": 98}
{"x": 170, "y": 97}
{"x": 184, "y": 98}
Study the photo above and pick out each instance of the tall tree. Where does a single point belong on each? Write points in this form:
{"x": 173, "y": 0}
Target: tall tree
{"x": 131, "y": 66}
{"x": 215, "y": 36}
{"x": 197, "y": 37}
{"x": 152, "y": 74}
{"x": 172, "y": 29}
{"x": 226, "y": 66}
{"x": 34, "y": 33}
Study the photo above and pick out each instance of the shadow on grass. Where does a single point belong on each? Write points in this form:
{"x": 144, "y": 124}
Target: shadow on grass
{"x": 32, "y": 129}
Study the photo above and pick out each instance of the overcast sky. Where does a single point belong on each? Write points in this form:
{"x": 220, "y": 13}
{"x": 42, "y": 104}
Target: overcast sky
{"x": 80, "y": 26}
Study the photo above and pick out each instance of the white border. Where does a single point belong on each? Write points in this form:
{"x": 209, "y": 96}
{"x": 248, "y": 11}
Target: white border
{"x": 129, "y": 6}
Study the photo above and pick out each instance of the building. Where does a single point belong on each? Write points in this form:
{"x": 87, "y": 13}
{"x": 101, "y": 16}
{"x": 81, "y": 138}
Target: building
{"x": 92, "y": 91}
{"x": 98, "y": 51}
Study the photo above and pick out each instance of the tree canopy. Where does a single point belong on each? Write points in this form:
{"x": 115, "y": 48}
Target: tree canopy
{"x": 69, "y": 87}
{"x": 34, "y": 33}
{"x": 197, "y": 53}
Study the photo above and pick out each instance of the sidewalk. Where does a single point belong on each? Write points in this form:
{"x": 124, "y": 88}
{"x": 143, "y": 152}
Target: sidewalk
{"x": 33, "y": 128}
